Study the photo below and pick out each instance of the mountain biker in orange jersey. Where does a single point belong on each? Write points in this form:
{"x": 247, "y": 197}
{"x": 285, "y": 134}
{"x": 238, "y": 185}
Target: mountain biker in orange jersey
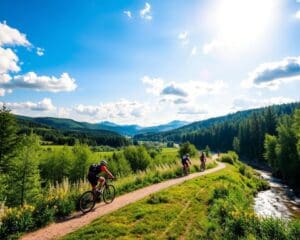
{"x": 185, "y": 160}
{"x": 96, "y": 169}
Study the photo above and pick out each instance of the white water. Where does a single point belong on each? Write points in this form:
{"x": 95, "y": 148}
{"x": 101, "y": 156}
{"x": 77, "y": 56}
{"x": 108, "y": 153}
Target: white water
{"x": 279, "y": 201}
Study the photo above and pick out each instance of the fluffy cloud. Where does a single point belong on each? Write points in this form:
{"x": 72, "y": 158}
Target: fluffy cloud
{"x": 186, "y": 90}
{"x": 44, "y": 105}
{"x": 145, "y": 13}
{"x": 172, "y": 89}
{"x": 184, "y": 37}
{"x": 41, "y": 83}
{"x": 272, "y": 75}
{"x": 9, "y": 64}
{"x": 11, "y": 36}
{"x": 8, "y": 61}
{"x": 122, "y": 109}
{"x": 155, "y": 85}
{"x": 40, "y": 51}
{"x": 297, "y": 15}
{"x": 242, "y": 103}
{"x": 128, "y": 14}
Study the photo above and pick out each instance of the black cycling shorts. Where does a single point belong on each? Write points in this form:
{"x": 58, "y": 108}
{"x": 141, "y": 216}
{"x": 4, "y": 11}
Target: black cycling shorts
{"x": 93, "y": 178}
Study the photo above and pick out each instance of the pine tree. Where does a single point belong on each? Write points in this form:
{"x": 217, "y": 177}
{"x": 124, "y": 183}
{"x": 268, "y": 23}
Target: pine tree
{"x": 24, "y": 178}
{"x": 8, "y": 138}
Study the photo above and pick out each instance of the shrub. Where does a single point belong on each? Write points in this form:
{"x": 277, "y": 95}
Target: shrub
{"x": 226, "y": 158}
{"x": 16, "y": 220}
{"x": 187, "y": 148}
{"x": 43, "y": 214}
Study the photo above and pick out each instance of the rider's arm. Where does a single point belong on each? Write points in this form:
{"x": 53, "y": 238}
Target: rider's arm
{"x": 104, "y": 169}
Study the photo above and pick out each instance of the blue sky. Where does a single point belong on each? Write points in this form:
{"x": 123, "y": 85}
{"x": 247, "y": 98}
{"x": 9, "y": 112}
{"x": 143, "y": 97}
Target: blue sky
{"x": 147, "y": 62}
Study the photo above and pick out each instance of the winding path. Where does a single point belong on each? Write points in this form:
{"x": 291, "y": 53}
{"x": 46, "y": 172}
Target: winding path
{"x": 78, "y": 220}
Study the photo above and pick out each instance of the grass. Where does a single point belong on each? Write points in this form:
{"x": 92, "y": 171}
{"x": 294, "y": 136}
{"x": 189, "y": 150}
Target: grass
{"x": 180, "y": 211}
{"x": 215, "y": 206}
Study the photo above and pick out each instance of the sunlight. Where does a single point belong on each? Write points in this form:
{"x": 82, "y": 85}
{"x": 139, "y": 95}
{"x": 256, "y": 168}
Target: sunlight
{"x": 239, "y": 23}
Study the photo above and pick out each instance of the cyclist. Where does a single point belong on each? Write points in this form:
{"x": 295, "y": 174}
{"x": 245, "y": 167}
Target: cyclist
{"x": 93, "y": 177}
{"x": 203, "y": 161}
{"x": 185, "y": 160}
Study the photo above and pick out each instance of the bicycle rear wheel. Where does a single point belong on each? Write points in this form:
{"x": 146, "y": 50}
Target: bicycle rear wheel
{"x": 87, "y": 201}
{"x": 109, "y": 193}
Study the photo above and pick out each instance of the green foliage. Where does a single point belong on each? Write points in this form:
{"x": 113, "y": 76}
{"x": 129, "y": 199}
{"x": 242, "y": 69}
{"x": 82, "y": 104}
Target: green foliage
{"x": 282, "y": 152}
{"x": 82, "y": 158}
{"x": 24, "y": 174}
{"x": 138, "y": 157}
{"x": 229, "y": 157}
{"x": 8, "y": 138}
{"x": 118, "y": 165}
{"x": 217, "y": 206}
{"x": 187, "y": 148}
{"x": 207, "y": 151}
{"x": 16, "y": 220}
{"x": 236, "y": 144}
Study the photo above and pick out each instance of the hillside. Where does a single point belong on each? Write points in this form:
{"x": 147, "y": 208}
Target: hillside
{"x": 66, "y": 131}
{"x": 127, "y": 130}
{"x": 178, "y": 133}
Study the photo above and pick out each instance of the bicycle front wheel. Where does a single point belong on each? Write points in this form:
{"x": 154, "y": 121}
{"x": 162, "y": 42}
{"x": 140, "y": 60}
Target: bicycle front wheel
{"x": 87, "y": 201}
{"x": 109, "y": 193}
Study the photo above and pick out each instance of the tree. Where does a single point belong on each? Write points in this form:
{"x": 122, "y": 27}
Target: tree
{"x": 24, "y": 178}
{"x": 236, "y": 144}
{"x": 82, "y": 156}
{"x": 187, "y": 148}
{"x": 118, "y": 164}
{"x": 138, "y": 157}
{"x": 270, "y": 152}
{"x": 8, "y": 138}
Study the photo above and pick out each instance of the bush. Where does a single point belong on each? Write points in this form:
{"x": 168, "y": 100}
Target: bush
{"x": 43, "y": 214}
{"x": 226, "y": 158}
{"x": 187, "y": 148}
{"x": 16, "y": 220}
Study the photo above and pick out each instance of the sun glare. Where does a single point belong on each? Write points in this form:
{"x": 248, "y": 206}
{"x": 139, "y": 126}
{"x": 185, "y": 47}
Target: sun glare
{"x": 243, "y": 22}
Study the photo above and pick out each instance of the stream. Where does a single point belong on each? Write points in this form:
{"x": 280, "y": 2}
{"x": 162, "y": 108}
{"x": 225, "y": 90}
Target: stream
{"x": 279, "y": 201}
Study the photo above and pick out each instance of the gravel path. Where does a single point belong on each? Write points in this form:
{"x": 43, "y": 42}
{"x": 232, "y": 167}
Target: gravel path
{"x": 78, "y": 220}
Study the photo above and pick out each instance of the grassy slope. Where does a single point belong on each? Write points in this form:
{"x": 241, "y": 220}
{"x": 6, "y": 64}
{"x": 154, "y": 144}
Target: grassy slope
{"x": 180, "y": 211}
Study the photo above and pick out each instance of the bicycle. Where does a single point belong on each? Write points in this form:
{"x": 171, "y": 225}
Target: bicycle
{"x": 186, "y": 169}
{"x": 202, "y": 166}
{"x": 88, "y": 199}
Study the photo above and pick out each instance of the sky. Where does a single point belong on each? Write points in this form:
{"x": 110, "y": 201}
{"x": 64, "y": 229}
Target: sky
{"x": 147, "y": 62}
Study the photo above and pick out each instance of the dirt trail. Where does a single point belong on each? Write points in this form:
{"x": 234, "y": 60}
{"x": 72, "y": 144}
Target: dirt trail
{"x": 78, "y": 220}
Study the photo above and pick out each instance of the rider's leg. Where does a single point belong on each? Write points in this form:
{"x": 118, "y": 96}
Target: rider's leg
{"x": 101, "y": 180}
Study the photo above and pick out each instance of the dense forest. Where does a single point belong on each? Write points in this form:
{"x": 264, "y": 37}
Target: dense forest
{"x": 245, "y": 132}
{"x": 61, "y": 136}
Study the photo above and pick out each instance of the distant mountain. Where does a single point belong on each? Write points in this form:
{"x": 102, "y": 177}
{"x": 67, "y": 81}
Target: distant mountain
{"x": 127, "y": 130}
{"x": 177, "y": 134}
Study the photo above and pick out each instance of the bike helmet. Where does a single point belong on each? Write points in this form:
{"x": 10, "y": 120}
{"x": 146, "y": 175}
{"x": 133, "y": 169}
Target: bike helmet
{"x": 103, "y": 162}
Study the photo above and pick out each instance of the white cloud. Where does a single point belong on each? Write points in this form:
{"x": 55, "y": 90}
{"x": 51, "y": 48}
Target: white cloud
{"x": 40, "y": 51}
{"x": 273, "y": 74}
{"x": 243, "y": 103}
{"x": 175, "y": 90}
{"x": 212, "y": 46}
{"x": 297, "y": 15}
{"x": 194, "y": 51}
{"x": 12, "y": 36}
{"x": 42, "y": 83}
{"x": 122, "y": 110}
{"x": 184, "y": 37}
{"x": 155, "y": 85}
{"x": 185, "y": 90}
{"x": 128, "y": 13}
{"x": 9, "y": 64}
{"x": 145, "y": 13}
{"x": 44, "y": 105}
{"x": 8, "y": 61}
